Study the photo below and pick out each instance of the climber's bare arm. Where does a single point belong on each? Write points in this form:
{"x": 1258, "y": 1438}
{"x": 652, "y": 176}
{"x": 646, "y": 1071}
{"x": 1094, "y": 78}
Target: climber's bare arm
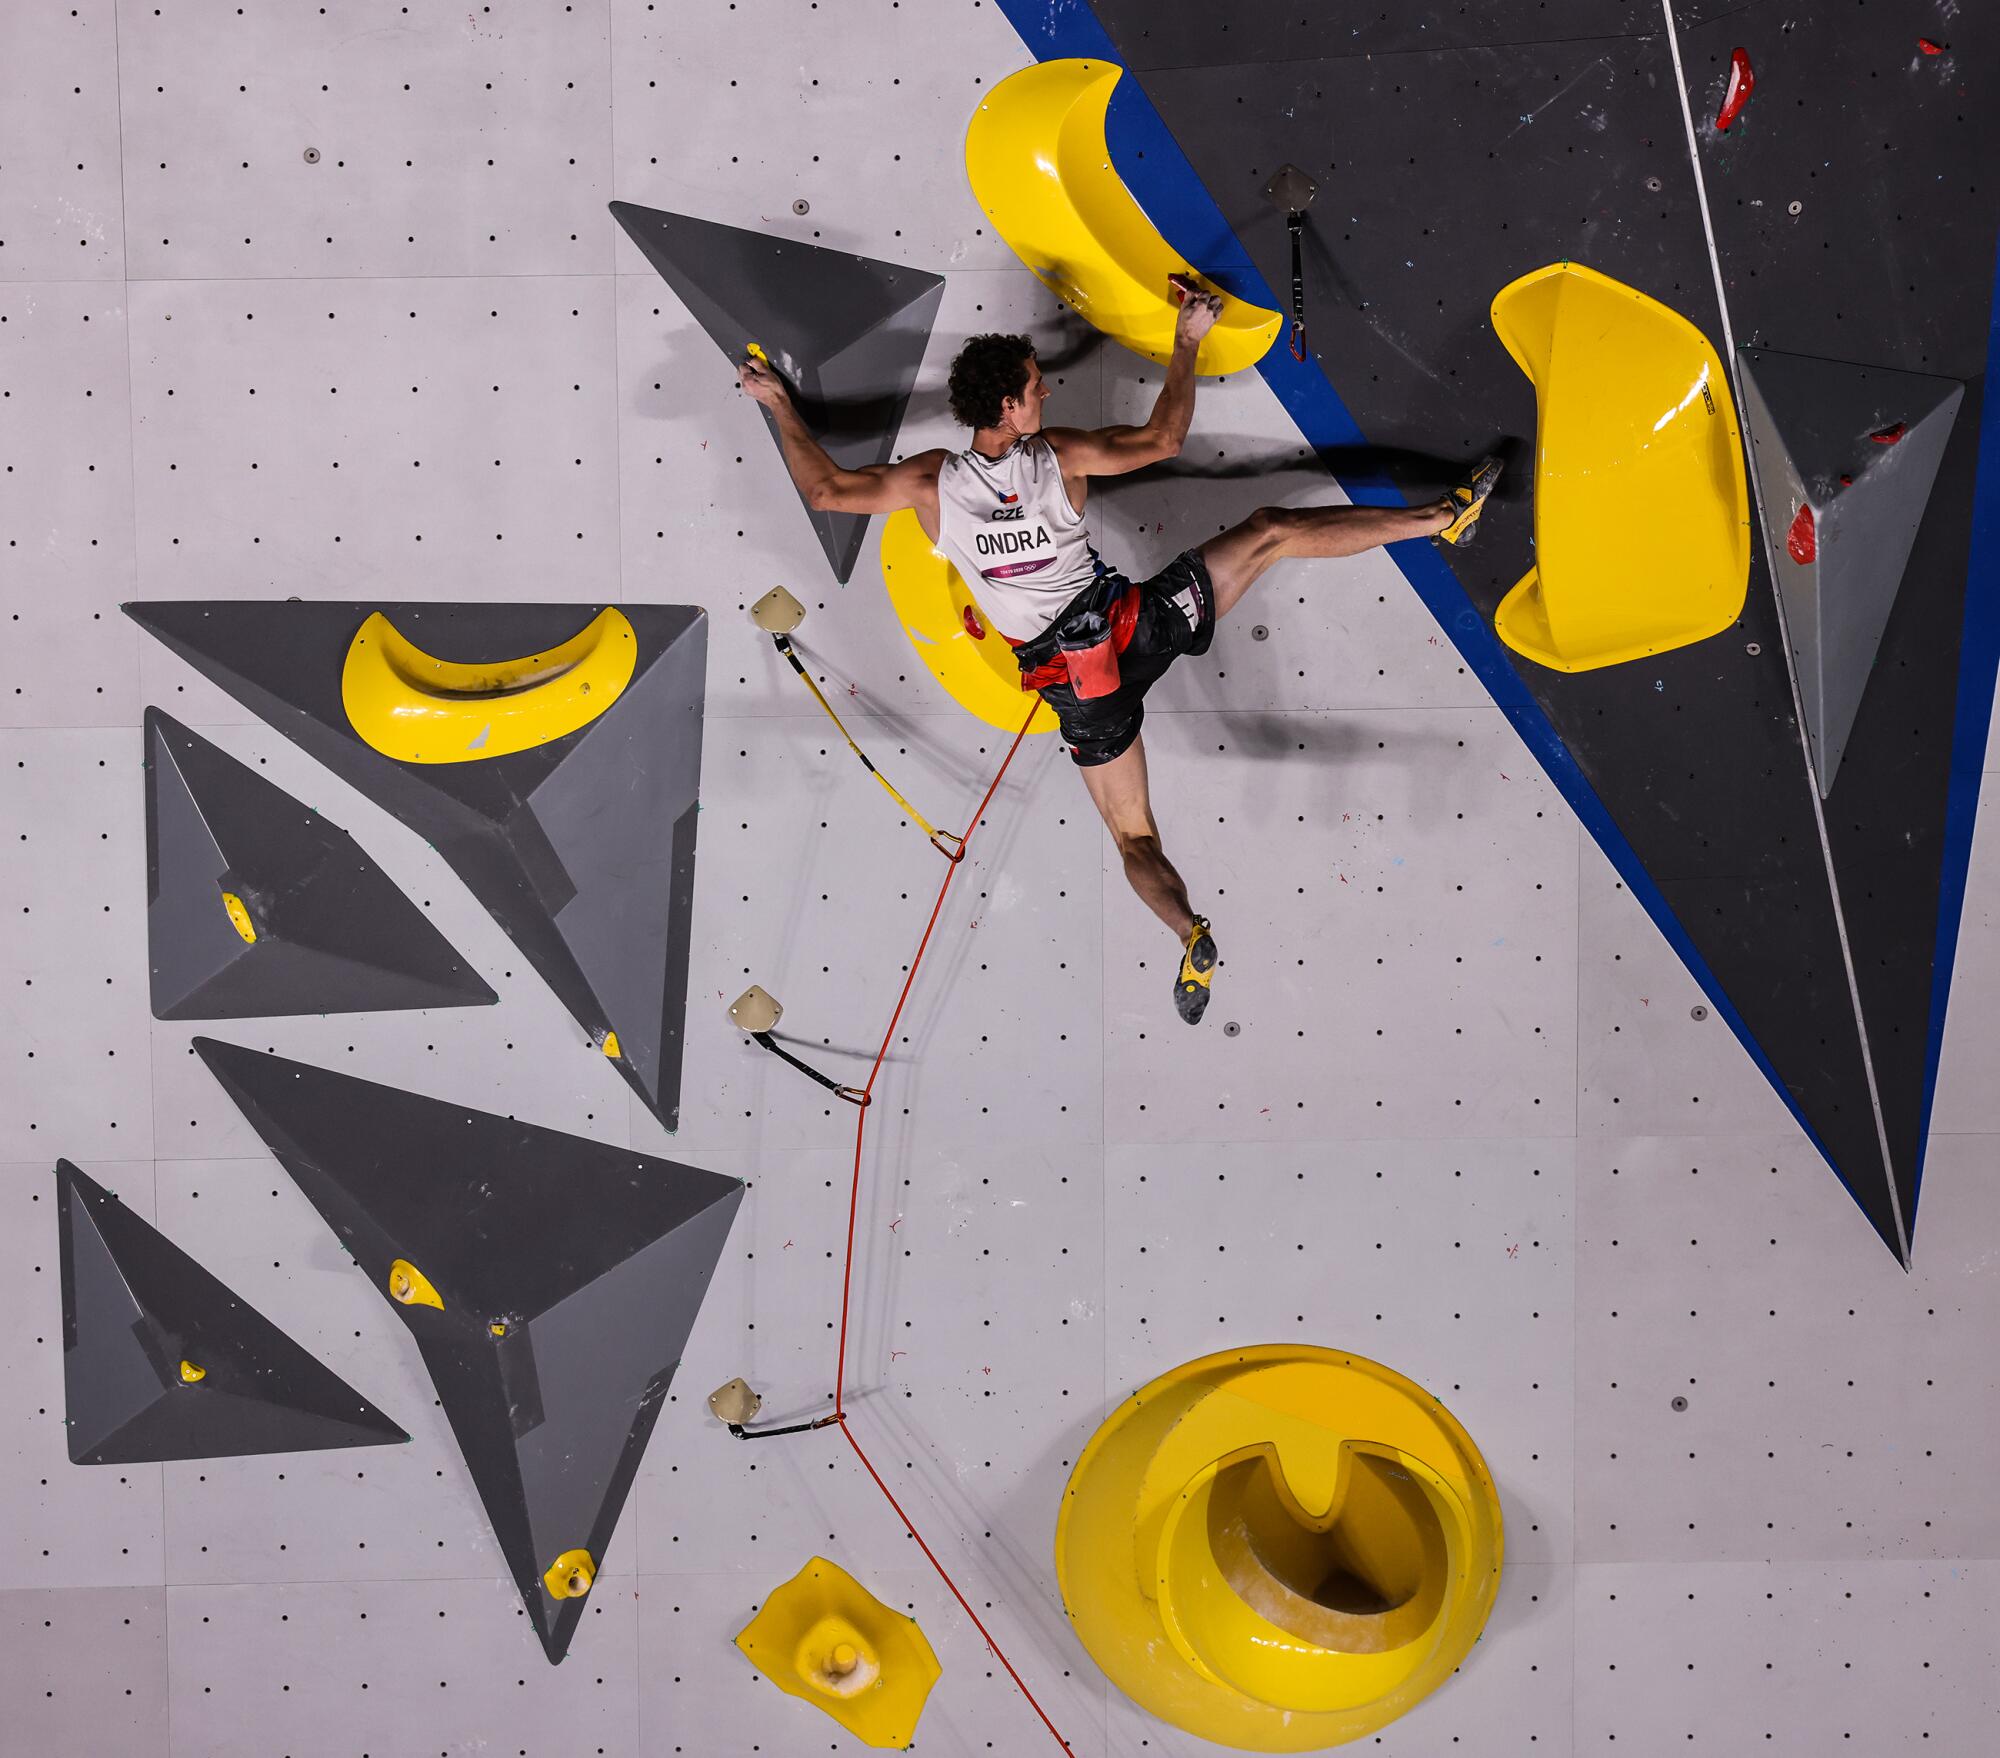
{"x": 880, "y": 488}
{"x": 1112, "y": 451}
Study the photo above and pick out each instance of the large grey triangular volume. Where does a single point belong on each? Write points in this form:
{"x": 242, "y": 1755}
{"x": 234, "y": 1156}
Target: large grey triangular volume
{"x": 256, "y": 905}
{"x": 561, "y": 1277}
{"x": 846, "y": 332}
{"x": 1844, "y": 458}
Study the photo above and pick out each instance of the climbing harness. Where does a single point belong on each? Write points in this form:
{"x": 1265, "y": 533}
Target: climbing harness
{"x": 1081, "y": 647}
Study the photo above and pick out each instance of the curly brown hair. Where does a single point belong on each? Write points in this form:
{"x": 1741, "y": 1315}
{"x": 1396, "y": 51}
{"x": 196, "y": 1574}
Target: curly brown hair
{"x": 989, "y": 369}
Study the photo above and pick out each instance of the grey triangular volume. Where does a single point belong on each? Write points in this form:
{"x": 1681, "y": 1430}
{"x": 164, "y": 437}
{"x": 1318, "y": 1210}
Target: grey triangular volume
{"x": 581, "y": 846}
{"x": 846, "y": 332}
{"x": 161, "y": 1361}
{"x": 256, "y": 905}
{"x": 560, "y": 1279}
{"x": 1844, "y": 459}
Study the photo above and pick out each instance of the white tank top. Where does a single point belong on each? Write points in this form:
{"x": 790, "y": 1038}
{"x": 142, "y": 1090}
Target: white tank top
{"x": 1008, "y": 527}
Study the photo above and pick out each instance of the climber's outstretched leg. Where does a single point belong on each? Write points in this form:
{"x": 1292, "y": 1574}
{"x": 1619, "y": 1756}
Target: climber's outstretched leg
{"x": 1270, "y": 534}
{"x": 1120, "y": 792}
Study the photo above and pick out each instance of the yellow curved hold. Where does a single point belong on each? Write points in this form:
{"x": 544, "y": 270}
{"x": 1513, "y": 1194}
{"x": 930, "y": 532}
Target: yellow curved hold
{"x": 1642, "y": 515}
{"x": 190, "y": 1373}
{"x": 570, "y": 1575}
{"x": 1036, "y": 157}
{"x": 405, "y": 704}
{"x": 958, "y": 646}
{"x": 1279, "y": 1548}
{"x": 239, "y": 917}
{"x": 825, "y": 1638}
{"x": 409, "y": 1286}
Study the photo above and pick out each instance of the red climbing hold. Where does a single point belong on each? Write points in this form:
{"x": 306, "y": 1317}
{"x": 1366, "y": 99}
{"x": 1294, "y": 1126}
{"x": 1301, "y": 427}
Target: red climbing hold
{"x": 972, "y": 625}
{"x": 1801, "y": 542}
{"x": 1929, "y": 47}
{"x": 1742, "y": 82}
{"x": 1888, "y": 436}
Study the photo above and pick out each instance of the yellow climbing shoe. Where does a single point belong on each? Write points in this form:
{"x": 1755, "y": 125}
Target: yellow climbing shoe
{"x": 1197, "y": 971}
{"x": 1468, "y": 495}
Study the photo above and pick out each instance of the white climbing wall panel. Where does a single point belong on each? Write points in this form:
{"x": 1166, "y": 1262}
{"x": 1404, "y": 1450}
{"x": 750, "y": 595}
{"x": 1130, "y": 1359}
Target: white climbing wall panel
{"x": 324, "y": 300}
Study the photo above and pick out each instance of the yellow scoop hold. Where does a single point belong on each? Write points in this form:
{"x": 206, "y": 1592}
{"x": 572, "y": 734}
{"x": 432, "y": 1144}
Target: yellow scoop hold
{"x": 1036, "y": 157}
{"x": 1642, "y": 516}
{"x": 958, "y": 646}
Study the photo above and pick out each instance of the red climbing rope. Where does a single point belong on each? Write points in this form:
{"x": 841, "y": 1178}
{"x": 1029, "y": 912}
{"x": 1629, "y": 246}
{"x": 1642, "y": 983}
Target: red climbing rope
{"x": 847, "y": 1268}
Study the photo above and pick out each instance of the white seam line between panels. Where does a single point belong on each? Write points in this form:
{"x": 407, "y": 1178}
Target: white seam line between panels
{"x": 1785, "y": 640}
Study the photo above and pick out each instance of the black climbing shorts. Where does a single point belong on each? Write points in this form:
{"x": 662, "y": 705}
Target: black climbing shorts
{"x": 1100, "y": 728}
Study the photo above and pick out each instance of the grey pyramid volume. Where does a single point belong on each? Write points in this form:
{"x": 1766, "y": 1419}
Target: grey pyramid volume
{"x": 581, "y": 846}
{"x": 161, "y": 1361}
{"x": 1845, "y": 457}
{"x": 550, "y": 1282}
{"x": 846, "y": 332}
{"x": 256, "y": 905}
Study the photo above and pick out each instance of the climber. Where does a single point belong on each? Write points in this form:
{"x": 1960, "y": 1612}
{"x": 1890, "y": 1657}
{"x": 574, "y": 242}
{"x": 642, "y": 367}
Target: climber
{"x": 1009, "y": 512}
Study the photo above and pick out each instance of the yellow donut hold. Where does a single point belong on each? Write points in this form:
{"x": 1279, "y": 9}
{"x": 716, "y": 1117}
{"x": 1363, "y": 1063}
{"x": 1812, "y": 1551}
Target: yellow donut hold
{"x": 958, "y": 646}
{"x": 824, "y": 1637}
{"x": 1036, "y": 157}
{"x": 408, "y": 705}
{"x": 1279, "y": 1548}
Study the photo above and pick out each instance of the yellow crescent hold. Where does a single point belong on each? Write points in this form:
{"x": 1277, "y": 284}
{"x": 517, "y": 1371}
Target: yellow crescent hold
{"x": 408, "y": 705}
{"x": 958, "y": 646}
{"x": 1036, "y": 157}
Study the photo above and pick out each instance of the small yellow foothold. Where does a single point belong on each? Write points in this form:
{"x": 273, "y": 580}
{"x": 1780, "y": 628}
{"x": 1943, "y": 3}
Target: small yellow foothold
{"x": 411, "y": 1287}
{"x": 570, "y": 1575}
{"x": 239, "y": 917}
{"x": 610, "y": 1046}
{"x": 826, "y": 1639}
{"x": 190, "y": 1373}
{"x": 497, "y": 1328}
{"x": 753, "y": 348}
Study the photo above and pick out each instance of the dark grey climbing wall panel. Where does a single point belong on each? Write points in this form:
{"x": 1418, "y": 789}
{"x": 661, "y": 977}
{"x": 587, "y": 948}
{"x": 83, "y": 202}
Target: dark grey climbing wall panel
{"x": 582, "y": 847}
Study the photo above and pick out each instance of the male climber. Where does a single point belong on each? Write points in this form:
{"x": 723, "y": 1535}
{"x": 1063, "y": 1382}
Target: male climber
{"x": 1009, "y": 512}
